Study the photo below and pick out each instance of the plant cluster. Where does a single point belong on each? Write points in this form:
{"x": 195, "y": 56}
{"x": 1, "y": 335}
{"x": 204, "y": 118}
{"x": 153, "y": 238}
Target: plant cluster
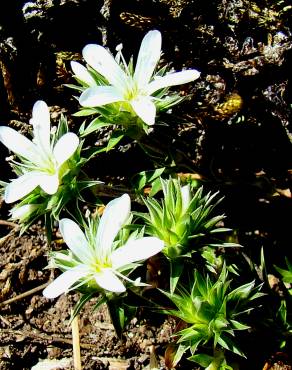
{"x": 107, "y": 250}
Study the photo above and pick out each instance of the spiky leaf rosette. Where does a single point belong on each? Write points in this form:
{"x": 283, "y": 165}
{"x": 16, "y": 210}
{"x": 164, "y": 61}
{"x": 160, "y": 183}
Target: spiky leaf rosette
{"x": 211, "y": 311}
{"x": 185, "y": 221}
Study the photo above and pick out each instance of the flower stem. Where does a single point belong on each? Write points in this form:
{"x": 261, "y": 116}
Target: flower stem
{"x": 217, "y": 360}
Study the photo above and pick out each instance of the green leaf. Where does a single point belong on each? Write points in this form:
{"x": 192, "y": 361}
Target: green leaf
{"x": 84, "y": 112}
{"x": 200, "y": 286}
{"x": 93, "y": 126}
{"x": 238, "y": 325}
{"x": 286, "y": 274}
{"x": 115, "y": 138}
{"x": 49, "y": 227}
{"x": 79, "y": 305}
{"x": 282, "y": 311}
{"x": 289, "y": 265}
{"x": 156, "y": 187}
{"x": 120, "y": 313}
{"x": 155, "y": 212}
{"x": 176, "y": 269}
{"x": 182, "y": 348}
{"x": 242, "y": 292}
{"x": 227, "y": 343}
{"x": 221, "y": 230}
{"x": 213, "y": 221}
{"x": 147, "y": 177}
{"x": 101, "y": 300}
{"x": 75, "y": 87}
{"x": 201, "y": 359}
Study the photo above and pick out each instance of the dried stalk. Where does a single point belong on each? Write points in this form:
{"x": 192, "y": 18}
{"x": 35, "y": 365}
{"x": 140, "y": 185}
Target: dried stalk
{"x": 76, "y": 343}
{"x": 23, "y": 295}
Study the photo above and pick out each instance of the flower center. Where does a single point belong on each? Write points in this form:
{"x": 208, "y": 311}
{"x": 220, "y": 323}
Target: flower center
{"x": 132, "y": 90}
{"x": 98, "y": 266}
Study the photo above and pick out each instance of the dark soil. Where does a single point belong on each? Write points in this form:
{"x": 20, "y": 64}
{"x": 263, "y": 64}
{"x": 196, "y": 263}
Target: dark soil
{"x": 34, "y": 328}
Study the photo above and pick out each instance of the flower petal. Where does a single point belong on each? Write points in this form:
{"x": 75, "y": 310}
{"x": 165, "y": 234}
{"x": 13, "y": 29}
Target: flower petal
{"x": 64, "y": 282}
{"x": 114, "y": 216}
{"x": 136, "y": 250}
{"x": 41, "y": 127}
{"x": 49, "y": 183}
{"x": 19, "y": 144}
{"x": 22, "y": 212}
{"x": 21, "y": 186}
{"x": 106, "y": 279}
{"x": 75, "y": 239}
{"x": 186, "y": 197}
{"x": 104, "y": 63}
{"x": 99, "y": 95}
{"x": 82, "y": 74}
{"x": 145, "y": 109}
{"x": 148, "y": 57}
{"x": 65, "y": 147}
{"x": 172, "y": 79}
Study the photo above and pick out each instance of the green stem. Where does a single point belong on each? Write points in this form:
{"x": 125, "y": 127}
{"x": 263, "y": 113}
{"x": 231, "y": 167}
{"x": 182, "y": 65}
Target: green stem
{"x": 218, "y": 358}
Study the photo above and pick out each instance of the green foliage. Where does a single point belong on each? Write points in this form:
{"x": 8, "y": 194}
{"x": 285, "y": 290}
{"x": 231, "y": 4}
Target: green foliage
{"x": 211, "y": 309}
{"x": 286, "y": 274}
{"x": 183, "y": 220}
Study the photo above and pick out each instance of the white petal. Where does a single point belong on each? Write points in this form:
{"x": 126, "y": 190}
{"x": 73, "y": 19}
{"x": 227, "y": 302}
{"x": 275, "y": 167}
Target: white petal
{"x": 186, "y": 197}
{"x": 22, "y": 212}
{"x": 82, "y": 74}
{"x": 104, "y": 63}
{"x": 136, "y": 250}
{"x": 19, "y": 144}
{"x": 65, "y": 147}
{"x": 172, "y": 79}
{"x": 64, "y": 282}
{"x": 114, "y": 216}
{"x": 21, "y": 186}
{"x": 106, "y": 279}
{"x": 75, "y": 239}
{"x": 41, "y": 126}
{"x": 148, "y": 57}
{"x": 49, "y": 183}
{"x": 145, "y": 109}
{"x": 99, "y": 95}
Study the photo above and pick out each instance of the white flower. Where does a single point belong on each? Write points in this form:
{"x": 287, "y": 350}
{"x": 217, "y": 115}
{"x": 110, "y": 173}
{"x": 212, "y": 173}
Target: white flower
{"x": 134, "y": 89}
{"x": 94, "y": 257}
{"x": 41, "y": 163}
